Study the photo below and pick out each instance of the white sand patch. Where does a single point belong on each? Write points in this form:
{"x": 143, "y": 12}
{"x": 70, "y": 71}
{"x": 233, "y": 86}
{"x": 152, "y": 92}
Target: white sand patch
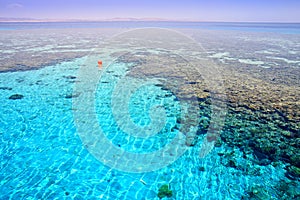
{"x": 251, "y": 62}
{"x": 223, "y": 57}
{"x": 8, "y": 51}
{"x": 45, "y": 48}
{"x": 229, "y": 58}
{"x": 293, "y": 52}
{"x": 66, "y": 46}
{"x": 219, "y": 55}
{"x": 71, "y": 50}
{"x": 265, "y": 66}
{"x": 285, "y": 60}
{"x": 265, "y": 52}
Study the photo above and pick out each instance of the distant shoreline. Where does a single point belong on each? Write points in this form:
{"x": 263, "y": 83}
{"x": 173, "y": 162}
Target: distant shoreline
{"x": 27, "y": 20}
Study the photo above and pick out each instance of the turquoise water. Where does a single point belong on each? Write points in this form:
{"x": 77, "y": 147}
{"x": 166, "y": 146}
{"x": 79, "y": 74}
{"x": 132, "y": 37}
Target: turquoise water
{"x": 139, "y": 106}
{"x": 42, "y": 156}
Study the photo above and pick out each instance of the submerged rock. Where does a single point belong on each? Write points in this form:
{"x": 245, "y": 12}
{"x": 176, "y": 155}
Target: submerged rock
{"x": 70, "y": 77}
{"x": 231, "y": 163}
{"x": 16, "y": 96}
{"x": 70, "y": 96}
{"x": 5, "y": 88}
{"x": 259, "y": 193}
{"x": 259, "y": 155}
{"x": 164, "y": 191}
{"x": 264, "y": 162}
{"x": 218, "y": 143}
{"x": 288, "y": 190}
{"x": 293, "y": 172}
{"x": 295, "y": 160}
{"x": 202, "y": 169}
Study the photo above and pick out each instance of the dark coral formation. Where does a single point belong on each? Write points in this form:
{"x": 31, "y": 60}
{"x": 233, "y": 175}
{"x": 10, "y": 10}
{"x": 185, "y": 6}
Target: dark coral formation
{"x": 5, "y": 88}
{"x": 16, "y": 96}
{"x": 164, "y": 191}
{"x": 258, "y": 122}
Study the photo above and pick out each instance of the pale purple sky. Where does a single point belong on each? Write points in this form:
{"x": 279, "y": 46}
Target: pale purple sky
{"x": 200, "y": 10}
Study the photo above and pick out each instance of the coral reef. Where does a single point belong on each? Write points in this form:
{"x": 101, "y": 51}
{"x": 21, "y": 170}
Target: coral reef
{"x": 259, "y": 193}
{"x": 252, "y": 124}
{"x": 293, "y": 172}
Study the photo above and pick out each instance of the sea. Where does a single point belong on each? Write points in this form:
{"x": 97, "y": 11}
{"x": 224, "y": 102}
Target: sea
{"x": 287, "y": 28}
{"x": 162, "y": 118}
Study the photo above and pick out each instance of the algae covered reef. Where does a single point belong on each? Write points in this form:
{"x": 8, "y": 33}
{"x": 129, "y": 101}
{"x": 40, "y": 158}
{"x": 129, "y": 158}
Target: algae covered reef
{"x": 261, "y": 79}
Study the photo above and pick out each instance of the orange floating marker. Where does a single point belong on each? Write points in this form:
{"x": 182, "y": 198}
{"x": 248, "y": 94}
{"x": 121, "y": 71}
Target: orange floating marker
{"x": 99, "y": 63}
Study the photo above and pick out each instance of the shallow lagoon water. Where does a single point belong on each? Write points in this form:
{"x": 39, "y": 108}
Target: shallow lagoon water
{"x": 42, "y": 156}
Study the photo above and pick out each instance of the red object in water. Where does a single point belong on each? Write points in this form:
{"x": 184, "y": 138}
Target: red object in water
{"x": 99, "y": 63}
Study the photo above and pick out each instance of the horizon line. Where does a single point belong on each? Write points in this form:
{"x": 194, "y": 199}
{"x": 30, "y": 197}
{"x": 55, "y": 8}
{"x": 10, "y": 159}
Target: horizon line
{"x": 129, "y": 19}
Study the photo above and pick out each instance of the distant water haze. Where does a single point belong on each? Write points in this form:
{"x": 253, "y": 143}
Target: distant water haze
{"x": 190, "y": 10}
{"x": 286, "y": 28}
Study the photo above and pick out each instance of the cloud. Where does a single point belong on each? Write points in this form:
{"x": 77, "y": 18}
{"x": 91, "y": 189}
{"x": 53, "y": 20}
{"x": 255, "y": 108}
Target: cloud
{"x": 14, "y": 6}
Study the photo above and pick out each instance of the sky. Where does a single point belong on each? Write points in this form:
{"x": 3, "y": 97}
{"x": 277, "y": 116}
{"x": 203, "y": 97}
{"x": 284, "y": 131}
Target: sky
{"x": 191, "y": 10}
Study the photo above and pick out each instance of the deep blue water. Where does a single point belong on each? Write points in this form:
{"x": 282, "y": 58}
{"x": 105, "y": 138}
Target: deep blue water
{"x": 285, "y": 28}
